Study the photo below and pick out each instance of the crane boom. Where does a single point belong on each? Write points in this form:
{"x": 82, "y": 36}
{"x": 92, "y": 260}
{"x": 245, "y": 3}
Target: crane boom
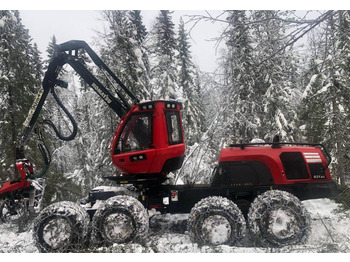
{"x": 68, "y": 53}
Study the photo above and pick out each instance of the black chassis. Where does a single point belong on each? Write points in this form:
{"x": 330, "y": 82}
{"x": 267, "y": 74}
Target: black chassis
{"x": 176, "y": 199}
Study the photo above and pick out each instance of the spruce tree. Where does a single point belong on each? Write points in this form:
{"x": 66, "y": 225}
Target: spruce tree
{"x": 272, "y": 79}
{"x": 124, "y": 50}
{"x": 18, "y": 83}
{"x": 68, "y": 178}
{"x": 325, "y": 104}
{"x": 242, "y": 119}
{"x": 37, "y": 61}
{"x": 193, "y": 111}
{"x": 51, "y": 110}
{"x": 50, "y": 50}
{"x": 140, "y": 29}
{"x": 163, "y": 51}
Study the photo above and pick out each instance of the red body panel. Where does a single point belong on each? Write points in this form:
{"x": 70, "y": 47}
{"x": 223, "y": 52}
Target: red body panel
{"x": 150, "y": 160}
{"x": 271, "y": 157}
{"x": 11, "y": 187}
{"x": 22, "y": 183}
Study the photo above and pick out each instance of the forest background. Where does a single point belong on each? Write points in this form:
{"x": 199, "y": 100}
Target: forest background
{"x": 279, "y": 72}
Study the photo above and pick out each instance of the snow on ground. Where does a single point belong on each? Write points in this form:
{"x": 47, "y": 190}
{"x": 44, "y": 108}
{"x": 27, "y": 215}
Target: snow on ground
{"x": 13, "y": 242}
{"x": 330, "y": 233}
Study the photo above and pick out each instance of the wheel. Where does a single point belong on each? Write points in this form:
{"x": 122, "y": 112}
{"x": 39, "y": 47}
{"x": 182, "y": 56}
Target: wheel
{"x": 277, "y": 218}
{"x": 120, "y": 219}
{"x": 216, "y": 221}
{"x": 61, "y": 227}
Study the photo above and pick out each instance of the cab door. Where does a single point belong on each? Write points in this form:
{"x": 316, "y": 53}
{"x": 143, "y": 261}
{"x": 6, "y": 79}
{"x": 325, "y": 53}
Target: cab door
{"x": 134, "y": 152}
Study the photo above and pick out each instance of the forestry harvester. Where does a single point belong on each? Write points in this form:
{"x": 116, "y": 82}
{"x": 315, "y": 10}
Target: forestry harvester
{"x": 256, "y": 188}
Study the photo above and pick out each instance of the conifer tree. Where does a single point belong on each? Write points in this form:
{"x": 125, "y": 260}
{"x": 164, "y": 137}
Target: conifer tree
{"x": 51, "y": 110}
{"x": 124, "y": 51}
{"x": 193, "y": 112}
{"x": 37, "y": 61}
{"x": 242, "y": 116}
{"x": 68, "y": 178}
{"x": 272, "y": 79}
{"x": 139, "y": 34}
{"x": 163, "y": 51}
{"x": 140, "y": 29}
{"x": 50, "y": 50}
{"x": 18, "y": 83}
{"x": 325, "y": 104}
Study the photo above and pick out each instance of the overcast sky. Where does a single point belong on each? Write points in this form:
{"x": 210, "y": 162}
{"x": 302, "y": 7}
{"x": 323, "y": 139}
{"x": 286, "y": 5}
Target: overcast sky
{"x": 78, "y": 20}
{"x": 82, "y": 25}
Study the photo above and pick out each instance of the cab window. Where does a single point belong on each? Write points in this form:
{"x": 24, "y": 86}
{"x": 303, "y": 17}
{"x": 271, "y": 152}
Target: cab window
{"x": 136, "y": 135}
{"x": 173, "y": 127}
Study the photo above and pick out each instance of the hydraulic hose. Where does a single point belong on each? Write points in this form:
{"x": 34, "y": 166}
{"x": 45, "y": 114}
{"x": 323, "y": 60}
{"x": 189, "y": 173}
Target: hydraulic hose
{"x": 42, "y": 146}
{"x": 72, "y": 120}
{"x": 45, "y": 153}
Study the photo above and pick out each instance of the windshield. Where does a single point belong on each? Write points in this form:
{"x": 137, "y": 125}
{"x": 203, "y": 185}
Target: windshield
{"x": 136, "y": 135}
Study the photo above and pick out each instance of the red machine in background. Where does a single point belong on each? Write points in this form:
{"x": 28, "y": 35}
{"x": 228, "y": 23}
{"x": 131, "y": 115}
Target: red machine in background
{"x": 24, "y": 168}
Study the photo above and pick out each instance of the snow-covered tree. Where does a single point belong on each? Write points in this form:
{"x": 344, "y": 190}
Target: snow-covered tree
{"x": 163, "y": 58}
{"x": 124, "y": 50}
{"x": 188, "y": 80}
{"x": 273, "y": 75}
{"x": 326, "y": 98}
{"x": 19, "y": 82}
{"x": 37, "y": 62}
{"x": 50, "y": 50}
{"x": 140, "y": 35}
{"x": 241, "y": 116}
{"x": 260, "y": 94}
{"x": 67, "y": 176}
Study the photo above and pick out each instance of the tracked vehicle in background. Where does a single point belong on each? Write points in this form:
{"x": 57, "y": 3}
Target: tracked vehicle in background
{"x": 256, "y": 186}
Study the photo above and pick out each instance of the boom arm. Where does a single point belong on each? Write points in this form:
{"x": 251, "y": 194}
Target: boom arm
{"x": 67, "y": 53}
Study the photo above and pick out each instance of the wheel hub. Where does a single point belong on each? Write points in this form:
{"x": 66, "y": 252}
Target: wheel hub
{"x": 118, "y": 227}
{"x": 283, "y": 224}
{"x": 57, "y": 233}
{"x": 216, "y": 230}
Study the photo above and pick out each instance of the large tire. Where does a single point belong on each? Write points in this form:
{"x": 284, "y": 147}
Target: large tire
{"x": 277, "y": 218}
{"x": 61, "y": 227}
{"x": 120, "y": 219}
{"x": 216, "y": 221}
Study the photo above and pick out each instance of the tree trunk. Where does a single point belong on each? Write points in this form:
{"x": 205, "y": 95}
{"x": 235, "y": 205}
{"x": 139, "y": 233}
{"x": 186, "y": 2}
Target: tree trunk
{"x": 12, "y": 143}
